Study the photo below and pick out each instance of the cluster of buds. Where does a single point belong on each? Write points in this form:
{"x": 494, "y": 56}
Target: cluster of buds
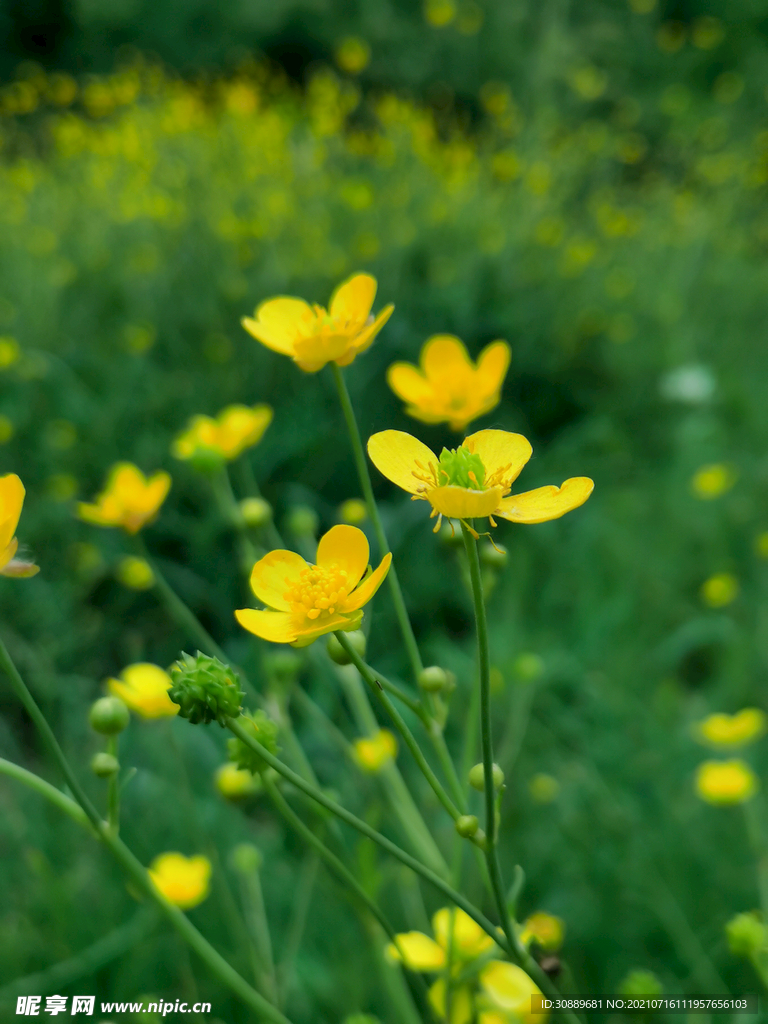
{"x": 205, "y": 689}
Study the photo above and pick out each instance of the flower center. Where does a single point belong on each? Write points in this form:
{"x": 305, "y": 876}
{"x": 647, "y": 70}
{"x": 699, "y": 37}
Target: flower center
{"x": 461, "y": 468}
{"x": 318, "y": 591}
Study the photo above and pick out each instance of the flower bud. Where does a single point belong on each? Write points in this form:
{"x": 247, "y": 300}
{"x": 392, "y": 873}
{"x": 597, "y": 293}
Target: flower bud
{"x": 302, "y": 521}
{"x": 746, "y": 934}
{"x": 433, "y": 679}
{"x": 640, "y": 983}
{"x": 256, "y": 512}
{"x": 282, "y": 667}
{"x": 477, "y": 777}
{"x": 109, "y": 716}
{"x": 467, "y": 825}
{"x": 246, "y": 858}
{"x": 258, "y": 725}
{"x": 493, "y": 556}
{"x": 104, "y": 765}
{"x": 357, "y": 642}
{"x": 205, "y": 689}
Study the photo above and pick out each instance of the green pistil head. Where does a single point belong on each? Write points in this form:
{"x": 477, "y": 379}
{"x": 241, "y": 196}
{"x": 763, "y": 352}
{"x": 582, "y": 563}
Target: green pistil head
{"x": 461, "y": 468}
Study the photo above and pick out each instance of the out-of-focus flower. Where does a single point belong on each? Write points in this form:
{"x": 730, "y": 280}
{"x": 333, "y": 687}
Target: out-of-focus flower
{"x": 546, "y": 930}
{"x": 472, "y": 481}
{"x": 144, "y": 688}
{"x": 129, "y": 499}
{"x": 373, "y": 753}
{"x": 235, "y": 429}
{"x": 746, "y": 934}
{"x": 10, "y": 352}
{"x": 713, "y": 480}
{"x": 305, "y": 601}
{"x": 737, "y": 730}
{"x": 719, "y": 590}
{"x": 726, "y": 782}
{"x": 353, "y": 55}
{"x": 507, "y": 990}
{"x": 439, "y": 12}
{"x": 235, "y": 783}
{"x": 184, "y": 881}
{"x": 353, "y": 511}
{"x": 11, "y": 500}
{"x": 135, "y": 573}
{"x": 761, "y": 544}
{"x": 313, "y": 336}
{"x": 449, "y": 387}
{"x": 640, "y": 982}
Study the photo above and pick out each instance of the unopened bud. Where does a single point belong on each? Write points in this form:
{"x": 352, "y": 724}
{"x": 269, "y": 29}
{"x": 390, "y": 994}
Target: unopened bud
{"x": 745, "y": 934}
{"x": 356, "y": 640}
{"x": 302, "y": 521}
{"x": 467, "y": 825}
{"x": 433, "y": 679}
{"x": 256, "y": 512}
{"x": 246, "y": 858}
{"x": 282, "y": 666}
{"x": 104, "y": 765}
{"x": 109, "y": 716}
{"x": 205, "y": 689}
{"x": 477, "y": 777}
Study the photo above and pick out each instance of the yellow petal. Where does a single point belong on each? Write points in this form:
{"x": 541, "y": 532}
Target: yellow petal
{"x": 510, "y": 988}
{"x": 277, "y": 322}
{"x": 492, "y": 366}
{"x": 445, "y": 360}
{"x": 461, "y": 503}
{"x": 314, "y": 628}
{"x": 417, "y": 951}
{"x": 157, "y": 490}
{"x": 6, "y": 555}
{"x": 461, "y": 1002}
{"x": 546, "y": 503}
{"x": 364, "y": 339}
{"x": 321, "y": 348}
{"x": 369, "y": 586}
{"x": 93, "y": 514}
{"x": 270, "y": 574}
{"x": 125, "y": 480}
{"x": 353, "y": 299}
{"x": 499, "y": 449}
{"x": 277, "y": 627}
{"x": 11, "y": 499}
{"x": 347, "y": 547}
{"x": 395, "y": 454}
{"x": 408, "y": 384}
{"x": 468, "y": 938}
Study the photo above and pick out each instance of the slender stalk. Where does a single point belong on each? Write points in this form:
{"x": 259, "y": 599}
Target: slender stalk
{"x": 756, "y": 838}
{"x": 131, "y": 865}
{"x": 302, "y": 900}
{"x": 365, "y": 482}
{"x": 45, "y": 789}
{"x": 113, "y": 789}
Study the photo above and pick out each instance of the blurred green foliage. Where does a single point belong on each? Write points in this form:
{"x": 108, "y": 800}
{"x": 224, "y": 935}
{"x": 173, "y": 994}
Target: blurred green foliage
{"x": 607, "y": 217}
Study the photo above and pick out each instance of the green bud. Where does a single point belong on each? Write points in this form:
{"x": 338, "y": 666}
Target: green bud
{"x": 258, "y": 725}
{"x": 104, "y": 765}
{"x": 246, "y": 858}
{"x": 302, "y": 521}
{"x": 477, "y": 777}
{"x": 479, "y": 839}
{"x": 467, "y": 825}
{"x": 433, "y": 679}
{"x": 494, "y": 557}
{"x": 109, "y": 716}
{"x": 357, "y": 642}
{"x": 528, "y": 667}
{"x": 205, "y": 689}
{"x": 283, "y": 666}
{"x": 745, "y": 934}
{"x": 256, "y": 512}
{"x": 640, "y": 983}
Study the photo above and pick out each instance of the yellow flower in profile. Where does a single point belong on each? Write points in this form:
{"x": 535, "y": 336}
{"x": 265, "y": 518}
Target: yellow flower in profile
{"x": 11, "y": 500}
{"x": 235, "y": 783}
{"x": 726, "y": 782}
{"x": 719, "y": 590}
{"x": 129, "y": 499}
{"x": 144, "y": 688}
{"x": 372, "y": 753}
{"x": 546, "y": 930}
{"x": 305, "y": 601}
{"x": 473, "y": 481}
{"x": 737, "y": 730}
{"x": 228, "y": 435}
{"x": 184, "y": 881}
{"x": 449, "y": 388}
{"x": 507, "y": 990}
{"x": 711, "y": 481}
{"x": 313, "y": 336}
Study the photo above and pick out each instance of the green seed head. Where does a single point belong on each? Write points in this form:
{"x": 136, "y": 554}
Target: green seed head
{"x": 433, "y": 679}
{"x": 104, "y": 765}
{"x": 461, "y": 468}
{"x": 205, "y": 689}
{"x": 477, "y": 777}
{"x": 467, "y": 825}
{"x": 109, "y": 716}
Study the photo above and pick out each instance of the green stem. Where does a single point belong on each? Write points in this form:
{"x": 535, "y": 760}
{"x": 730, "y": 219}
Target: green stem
{"x": 756, "y": 837}
{"x": 365, "y": 482}
{"x": 46, "y": 790}
{"x": 230, "y": 511}
{"x": 113, "y": 789}
{"x": 131, "y": 865}
{"x": 366, "y": 830}
{"x": 302, "y": 900}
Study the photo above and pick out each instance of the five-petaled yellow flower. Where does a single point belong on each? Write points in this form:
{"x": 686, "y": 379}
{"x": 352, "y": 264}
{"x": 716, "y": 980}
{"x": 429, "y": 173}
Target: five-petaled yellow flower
{"x": 305, "y": 601}
{"x": 183, "y": 881}
{"x": 474, "y": 481}
{"x": 449, "y": 387}
{"x": 228, "y": 435}
{"x": 144, "y": 688}
{"x": 313, "y": 336}
{"x": 721, "y": 730}
{"x": 11, "y": 500}
{"x": 726, "y": 782}
{"x": 129, "y": 499}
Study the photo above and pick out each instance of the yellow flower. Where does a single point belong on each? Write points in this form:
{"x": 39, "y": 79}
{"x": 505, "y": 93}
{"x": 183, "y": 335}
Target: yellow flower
{"x": 233, "y": 782}
{"x": 183, "y": 881}
{"x": 451, "y": 926}
{"x": 712, "y": 481}
{"x": 449, "y": 387}
{"x": 732, "y": 730}
{"x": 461, "y": 1002}
{"x": 129, "y": 499}
{"x": 144, "y": 688}
{"x": 305, "y": 601}
{"x": 11, "y": 499}
{"x": 372, "y": 753}
{"x": 508, "y": 990}
{"x": 546, "y": 930}
{"x": 725, "y": 782}
{"x": 313, "y": 336}
{"x": 228, "y": 435}
{"x": 719, "y": 590}
{"x": 473, "y": 481}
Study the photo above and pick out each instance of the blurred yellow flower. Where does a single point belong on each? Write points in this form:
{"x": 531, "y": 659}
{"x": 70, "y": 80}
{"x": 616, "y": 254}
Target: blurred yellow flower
{"x": 449, "y": 387}
{"x": 711, "y": 481}
{"x": 373, "y": 753}
{"x": 353, "y": 55}
{"x": 228, "y": 435}
{"x": 452, "y": 927}
{"x": 135, "y": 573}
{"x": 10, "y": 352}
{"x": 11, "y": 500}
{"x": 305, "y": 601}
{"x": 313, "y": 336}
{"x": 508, "y": 990}
{"x": 129, "y": 499}
{"x": 6, "y": 429}
{"x": 719, "y": 590}
{"x": 726, "y": 782}
{"x": 439, "y": 12}
{"x": 234, "y": 783}
{"x": 472, "y": 481}
{"x": 761, "y": 544}
{"x": 461, "y": 1002}
{"x": 546, "y": 930}
{"x": 144, "y": 688}
{"x": 737, "y": 730}
{"x": 184, "y": 881}
{"x": 353, "y": 511}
